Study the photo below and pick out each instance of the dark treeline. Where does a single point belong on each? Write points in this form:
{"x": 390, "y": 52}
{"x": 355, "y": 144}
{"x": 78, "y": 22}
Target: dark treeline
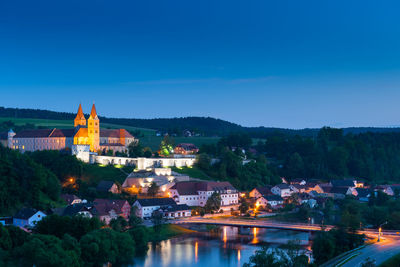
{"x": 333, "y": 154}
{"x": 202, "y": 125}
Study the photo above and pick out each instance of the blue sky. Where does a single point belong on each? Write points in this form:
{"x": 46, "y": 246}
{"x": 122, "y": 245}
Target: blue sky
{"x": 289, "y": 64}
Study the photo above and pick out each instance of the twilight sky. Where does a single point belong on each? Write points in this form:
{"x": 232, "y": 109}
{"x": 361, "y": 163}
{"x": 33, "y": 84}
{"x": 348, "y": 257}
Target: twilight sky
{"x": 275, "y": 63}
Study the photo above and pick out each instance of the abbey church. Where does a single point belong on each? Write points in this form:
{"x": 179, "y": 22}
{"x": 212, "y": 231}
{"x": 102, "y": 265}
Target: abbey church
{"x": 86, "y": 134}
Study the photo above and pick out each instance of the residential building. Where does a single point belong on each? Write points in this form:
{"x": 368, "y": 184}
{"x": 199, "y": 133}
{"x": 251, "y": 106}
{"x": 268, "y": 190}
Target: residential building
{"x": 282, "y": 190}
{"x": 108, "y": 209}
{"x": 186, "y": 149}
{"x": 70, "y": 199}
{"x": 343, "y": 183}
{"x": 146, "y": 206}
{"x": 108, "y": 186}
{"x": 275, "y": 201}
{"x": 197, "y": 193}
{"x": 176, "y": 211}
{"x": 305, "y": 198}
{"x": 28, "y": 217}
{"x": 387, "y": 189}
{"x": 363, "y": 194}
{"x": 260, "y": 191}
{"x": 298, "y": 181}
{"x": 82, "y": 209}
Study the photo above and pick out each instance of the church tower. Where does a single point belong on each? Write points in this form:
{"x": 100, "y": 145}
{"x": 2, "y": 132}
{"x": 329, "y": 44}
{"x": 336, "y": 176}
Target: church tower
{"x": 80, "y": 118}
{"x": 94, "y": 130}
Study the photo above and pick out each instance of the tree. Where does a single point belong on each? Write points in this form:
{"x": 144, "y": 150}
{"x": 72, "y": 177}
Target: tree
{"x": 244, "y": 206}
{"x": 153, "y": 189}
{"x": 135, "y": 150}
{"x": 119, "y": 224}
{"x": 213, "y": 203}
{"x": 323, "y": 247}
{"x": 203, "y": 162}
{"x": 134, "y": 220}
{"x": 167, "y": 146}
{"x": 157, "y": 218}
{"x": 295, "y": 166}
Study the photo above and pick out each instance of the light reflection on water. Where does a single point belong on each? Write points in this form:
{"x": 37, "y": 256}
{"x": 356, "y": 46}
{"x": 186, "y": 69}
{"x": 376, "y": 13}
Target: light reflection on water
{"x": 225, "y": 246}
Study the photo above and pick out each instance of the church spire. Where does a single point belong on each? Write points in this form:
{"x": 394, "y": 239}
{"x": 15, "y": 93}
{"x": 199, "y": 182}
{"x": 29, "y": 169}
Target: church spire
{"x": 80, "y": 117}
{"x": 93, "y": 113}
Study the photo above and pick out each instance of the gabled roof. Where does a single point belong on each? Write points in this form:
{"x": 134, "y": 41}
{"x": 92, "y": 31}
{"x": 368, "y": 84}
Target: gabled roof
{"x": 42, "y": 133}
{"x": 192, "y": 188}
{"x": 82, "y": 132}
{"x": 343, "y": 183}
{"x": 273, "y": 198}
{"x": 339, "y": 190}
{"x": 104, "y": 206}
{"x": 25, "y": 213}
{"x": 283, "y": 186}
{"x": 104, "y": 186}
{"x": 264, "y": 190}
{"x": 363, "y": 192}
{"x": 186, "y": 188}
{"x": 148, "y": 202}
{"x": 69, "y": 198}
{"x": 72, "y": 210}
{"x": 115, "y": 133}
{"x": 175, "y": 207}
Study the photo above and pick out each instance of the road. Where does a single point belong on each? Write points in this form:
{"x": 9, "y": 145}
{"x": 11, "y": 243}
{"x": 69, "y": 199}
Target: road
{"x": 380, "y": 252}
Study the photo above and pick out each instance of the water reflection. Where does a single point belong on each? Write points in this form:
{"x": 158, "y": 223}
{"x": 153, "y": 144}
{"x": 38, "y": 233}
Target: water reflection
{"x": 225, "y": 246}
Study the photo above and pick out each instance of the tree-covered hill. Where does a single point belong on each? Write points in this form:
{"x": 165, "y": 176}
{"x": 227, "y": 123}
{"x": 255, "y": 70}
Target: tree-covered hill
{"x": 205, "y": 126}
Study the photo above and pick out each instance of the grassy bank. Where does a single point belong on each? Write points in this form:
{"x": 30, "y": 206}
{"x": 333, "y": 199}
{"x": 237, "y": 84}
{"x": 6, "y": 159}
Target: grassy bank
{"x": 192, "y": 172}
{"x": 93, "y": 173}
{"x": 167, "y": 231}
{"x": 392, "y": 262}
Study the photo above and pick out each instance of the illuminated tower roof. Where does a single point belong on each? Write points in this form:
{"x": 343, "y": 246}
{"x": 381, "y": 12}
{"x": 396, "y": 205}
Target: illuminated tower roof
{"x": 80, "y": 118}
{"x": 93, "y": 113}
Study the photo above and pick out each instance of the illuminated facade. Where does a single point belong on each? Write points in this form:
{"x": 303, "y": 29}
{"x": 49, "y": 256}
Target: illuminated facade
{"x": 85, "y": 133}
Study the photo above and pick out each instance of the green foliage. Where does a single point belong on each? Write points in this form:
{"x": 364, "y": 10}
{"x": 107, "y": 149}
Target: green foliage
{"x": 76, "y": 226}
{"x": 167, "y": 146}
{"x": 119, "y": 224}
{"x": 213, "y": 203}
{"x": 24, "y": 182}
{"x": 153, "y": 189}
{"x": 101, "y": 246}
{"x": 392, "y": 262}
{"x": 327, "y": 245}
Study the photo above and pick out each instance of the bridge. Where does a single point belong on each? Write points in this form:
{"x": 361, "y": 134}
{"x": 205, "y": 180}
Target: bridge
{"x": 256, "y": 223}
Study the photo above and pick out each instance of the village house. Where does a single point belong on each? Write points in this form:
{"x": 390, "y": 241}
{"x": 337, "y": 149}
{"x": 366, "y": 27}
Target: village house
{"x": 108, "y": 186}
{"x": 363, "y": 194}
{"x": 82, "y": 209}
{"x": 298, "y": 181}
{"x": 27, "y": 217}
{"x": 197, "y": 193}
{"x": 260, "y": 191}
{"x": 343, "y": 183}
{"x": 275, "y": 201}
{"x": 70, "y": 199}
{"x": 176, "y": 211}
{"x": 282, "y": 190}
{"x": 108, "y": 209}
{"x": 298, "y": 188}
{"x": 146, "y": 206}
{"x": 305, "y": 198}
{"x": 339, "y": 192}
{"x": 186, "y": 149}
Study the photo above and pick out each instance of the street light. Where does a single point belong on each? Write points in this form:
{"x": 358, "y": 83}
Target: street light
{"x": 380, "y": 231}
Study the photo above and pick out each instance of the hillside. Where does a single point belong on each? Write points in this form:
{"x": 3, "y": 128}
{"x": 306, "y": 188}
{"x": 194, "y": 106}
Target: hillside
{"x": 204, "y": 126}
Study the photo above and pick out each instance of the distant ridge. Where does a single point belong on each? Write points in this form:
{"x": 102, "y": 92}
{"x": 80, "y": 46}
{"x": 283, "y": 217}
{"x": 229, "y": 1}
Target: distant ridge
{"x": 206, "y": 126}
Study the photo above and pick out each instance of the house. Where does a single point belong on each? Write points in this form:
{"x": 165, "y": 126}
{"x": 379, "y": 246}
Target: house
{"x": 313, "y": 187}
{"x": 176, "y": 211}
{"x": 186, "y": 149}
{"x": 305, "y": 198}
{"x": 274, "y": 201}
{"x": 260, "y": 191}
{"x": 108, "y": 186}
{"x": 343, "y": 183}
{"x": 108, "y": 209}
{"x": 387, "y": 189}
{"x": 28, "y": 217}
{"x": 146, "y": 206}
{"x": 363, "y": 194}
{"x": 197, "y": 193}
{"x": 298, "y": 181}
{"x": 282, "y": 190}
{"x": 298, "y": 188}
{"x": 71, "y": 199}
{"x": 82, "y": 209}
{"x": 6, "y": 220}
{"x": 339, "y": 192}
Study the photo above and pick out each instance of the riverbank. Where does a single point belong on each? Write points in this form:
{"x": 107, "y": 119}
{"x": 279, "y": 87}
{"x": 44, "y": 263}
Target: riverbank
{"x": 167, "y": 231}
{"x": 392, "y": 262}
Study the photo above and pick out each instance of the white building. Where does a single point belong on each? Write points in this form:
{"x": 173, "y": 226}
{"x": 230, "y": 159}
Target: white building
{"x": 282, "y": 190}
{"x": 273, "y": 200}
{"x": 27, "y": 217}
{"x": 197, "y": 193}
{"x": 146, "y": 206}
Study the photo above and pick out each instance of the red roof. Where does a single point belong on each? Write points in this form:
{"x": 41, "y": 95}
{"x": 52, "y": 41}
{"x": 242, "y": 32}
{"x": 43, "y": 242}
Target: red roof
{"x": 104, "y": 206}
{"x": 42, "y": 133}
{"x": 115, "y": 133}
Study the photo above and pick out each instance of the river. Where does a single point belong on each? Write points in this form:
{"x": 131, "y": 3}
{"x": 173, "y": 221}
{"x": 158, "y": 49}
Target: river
{"x": 224, "y": 246}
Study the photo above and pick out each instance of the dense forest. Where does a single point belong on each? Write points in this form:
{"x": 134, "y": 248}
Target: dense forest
{"x": 205, "y": 126}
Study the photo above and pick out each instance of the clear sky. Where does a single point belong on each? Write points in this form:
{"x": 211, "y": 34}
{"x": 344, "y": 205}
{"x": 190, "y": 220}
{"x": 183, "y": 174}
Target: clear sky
{"x": 277, "y": 63}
